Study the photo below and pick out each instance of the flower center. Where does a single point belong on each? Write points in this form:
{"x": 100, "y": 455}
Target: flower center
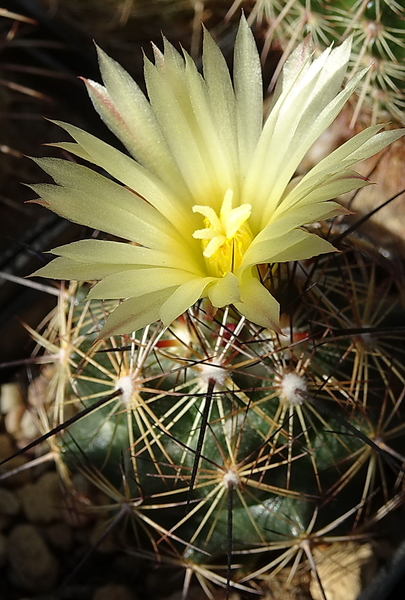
{"x": 226, "y": 237}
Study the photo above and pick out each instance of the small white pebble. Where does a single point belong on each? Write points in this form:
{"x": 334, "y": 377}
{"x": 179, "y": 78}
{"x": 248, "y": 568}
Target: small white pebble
{"x": 10, "y": 397}
{"x": 293, "y": 388}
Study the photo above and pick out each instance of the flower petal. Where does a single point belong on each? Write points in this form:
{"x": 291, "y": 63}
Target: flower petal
{"x": 361, "y": 146}
{"x": 335, "y": 158}
{"x": 247, "y": 75}
{"x": 127, "y": 113}
{"x": 171, "y": 103}
{"x": 88, "y": 198}
{"x": 309, "y": 193}
{"x": 294, "y": 67}
{"x": 284, "y": 223}
{"x": 65, "y": 268}
{"x": 224, "y": 291}
{"x": 221, "y": 97}
{"x": 299, "y": 116}
{"x": 209, "y": 180}
{"x": 170, "y": 201}
{"x": 183, "y": 298}
{"x": 298, "y": 244}
{"x": 135, "y": 313}
{"x": 303, "y": 214}
{"x": 215, "y": 153}
{"x": 331, "y": 177}
{"x": 257, "y": 304}
{"x": 119, "y": 253}
{"x": 310, "y": 128}
{"x": 138, "y": 282}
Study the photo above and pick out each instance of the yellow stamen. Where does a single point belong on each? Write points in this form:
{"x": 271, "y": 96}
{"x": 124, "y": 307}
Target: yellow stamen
{"x": 226, "y": 238}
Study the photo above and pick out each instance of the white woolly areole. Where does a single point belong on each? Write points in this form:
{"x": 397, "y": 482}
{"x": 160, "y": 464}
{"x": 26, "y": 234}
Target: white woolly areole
{"x": 211, "y": 371}
{"x": 126, "y": 385}
{"x": 293, "y": 388}
{"x": 230, "y": 479}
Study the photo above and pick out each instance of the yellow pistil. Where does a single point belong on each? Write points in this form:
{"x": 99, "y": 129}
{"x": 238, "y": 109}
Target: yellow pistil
{"x": 226, "y": 237}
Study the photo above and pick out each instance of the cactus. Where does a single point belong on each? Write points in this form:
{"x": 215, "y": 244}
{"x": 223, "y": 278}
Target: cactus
{"x": 225, "y": 443}
{"x": 378, "y": 30}
{"x": 229, "y": 442}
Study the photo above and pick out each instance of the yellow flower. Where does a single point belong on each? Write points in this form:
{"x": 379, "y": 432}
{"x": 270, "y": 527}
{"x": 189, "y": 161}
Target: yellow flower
{"x": 209, "y": 193}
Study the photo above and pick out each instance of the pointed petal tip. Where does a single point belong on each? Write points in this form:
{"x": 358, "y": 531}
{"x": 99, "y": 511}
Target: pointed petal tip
{"x": 39, "y": 201}
{"x": 100, "y": 51}
{"x": 276, "y": 329}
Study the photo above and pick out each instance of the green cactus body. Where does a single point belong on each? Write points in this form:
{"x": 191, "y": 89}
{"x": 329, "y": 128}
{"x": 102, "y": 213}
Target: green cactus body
{"x": 284, "y": 446}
